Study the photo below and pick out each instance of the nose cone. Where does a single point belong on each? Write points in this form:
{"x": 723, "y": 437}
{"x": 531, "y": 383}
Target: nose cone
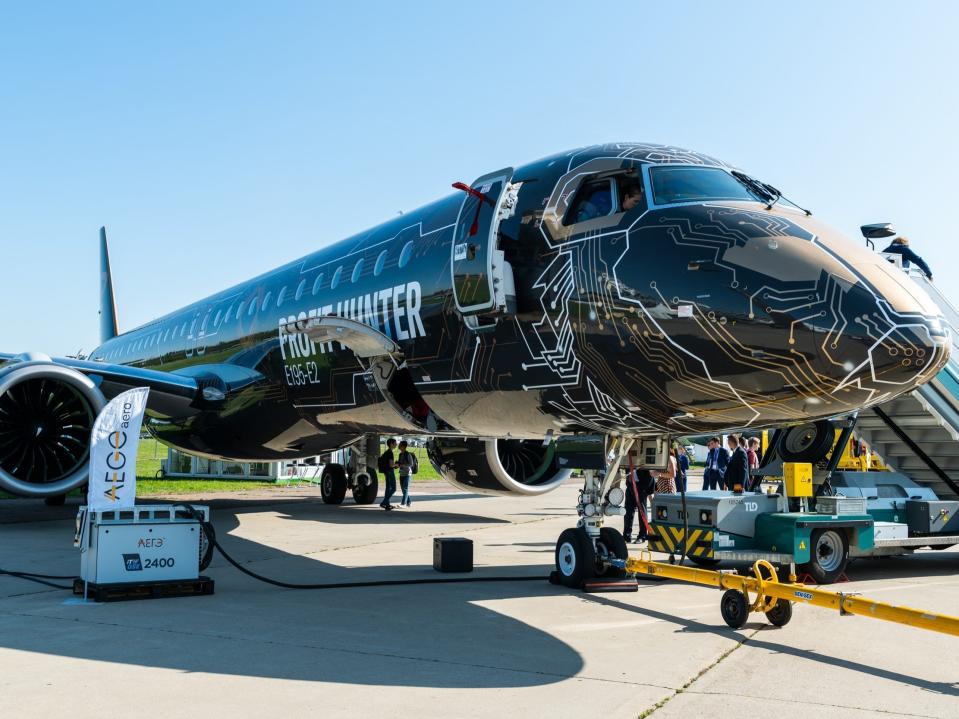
{"x": 892, "y": 337}
{"x": 719, "y": 317}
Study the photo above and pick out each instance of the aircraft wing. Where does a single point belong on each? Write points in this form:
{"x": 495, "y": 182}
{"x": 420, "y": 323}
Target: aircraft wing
{"x": 172, "y": 394}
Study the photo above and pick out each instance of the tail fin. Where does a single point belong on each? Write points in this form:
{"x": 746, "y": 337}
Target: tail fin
{"x": 108, "y": 305}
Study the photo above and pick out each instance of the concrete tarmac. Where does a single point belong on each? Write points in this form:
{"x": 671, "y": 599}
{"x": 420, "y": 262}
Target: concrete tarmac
{"x": 522, "y": 648}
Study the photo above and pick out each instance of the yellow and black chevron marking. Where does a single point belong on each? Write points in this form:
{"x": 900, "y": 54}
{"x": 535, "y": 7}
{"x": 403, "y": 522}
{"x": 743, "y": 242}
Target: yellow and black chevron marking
{"x": 667, "y": 538}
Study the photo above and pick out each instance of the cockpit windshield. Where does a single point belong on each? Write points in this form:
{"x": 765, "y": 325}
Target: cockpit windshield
{"x": 694, "y": 184}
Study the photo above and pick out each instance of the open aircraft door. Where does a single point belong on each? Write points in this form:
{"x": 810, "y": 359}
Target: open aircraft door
{"x": 482, "y": 279}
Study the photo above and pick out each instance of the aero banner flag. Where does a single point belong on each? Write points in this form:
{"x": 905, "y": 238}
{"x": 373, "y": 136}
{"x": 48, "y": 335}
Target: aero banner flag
{"x": 113, "y": 452}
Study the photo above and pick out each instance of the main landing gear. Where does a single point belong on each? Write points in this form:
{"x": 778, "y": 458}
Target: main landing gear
{"x": 358, "y": 475}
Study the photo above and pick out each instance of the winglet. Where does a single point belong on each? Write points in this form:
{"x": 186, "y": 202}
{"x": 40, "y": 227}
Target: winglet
{"x": 108, "y": 305}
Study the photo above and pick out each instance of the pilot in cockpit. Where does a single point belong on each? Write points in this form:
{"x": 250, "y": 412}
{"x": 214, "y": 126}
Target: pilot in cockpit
{"x": 596, "y": 198}
{"x": 631, "y": 192}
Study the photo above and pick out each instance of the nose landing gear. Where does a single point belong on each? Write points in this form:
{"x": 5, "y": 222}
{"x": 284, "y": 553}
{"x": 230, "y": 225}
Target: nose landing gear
{"x": 588, "y": 551}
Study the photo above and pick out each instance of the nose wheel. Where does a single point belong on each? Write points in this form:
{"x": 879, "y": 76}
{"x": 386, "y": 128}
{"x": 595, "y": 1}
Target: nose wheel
{"x": 575, "y": 558}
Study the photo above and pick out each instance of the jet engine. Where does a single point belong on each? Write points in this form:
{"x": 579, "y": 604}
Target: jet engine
{"x": 498, "y": 466}
{"x": 47, "y": 413}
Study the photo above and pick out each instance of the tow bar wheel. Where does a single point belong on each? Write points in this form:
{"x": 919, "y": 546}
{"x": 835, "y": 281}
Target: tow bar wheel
{"x": 735, "y": 608}
{"x": 780, "y": 613}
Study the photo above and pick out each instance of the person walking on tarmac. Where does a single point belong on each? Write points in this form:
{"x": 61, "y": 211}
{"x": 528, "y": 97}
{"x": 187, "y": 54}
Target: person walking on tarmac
{"x": 408, "y": 465}
{"x": 387, "y": 465}
{"x": 639, "y": 485}
{"x": 737, "y": 470}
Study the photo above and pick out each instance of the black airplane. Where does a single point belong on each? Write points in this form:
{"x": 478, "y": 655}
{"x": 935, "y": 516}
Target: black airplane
{"x": 587, "y": 304}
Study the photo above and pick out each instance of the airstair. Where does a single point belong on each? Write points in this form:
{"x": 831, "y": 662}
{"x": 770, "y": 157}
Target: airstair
{"x": 917, "y": 434}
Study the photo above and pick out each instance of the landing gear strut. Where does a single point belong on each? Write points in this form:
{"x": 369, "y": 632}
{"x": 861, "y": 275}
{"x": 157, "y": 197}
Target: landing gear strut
{"x": 585, "y": 552}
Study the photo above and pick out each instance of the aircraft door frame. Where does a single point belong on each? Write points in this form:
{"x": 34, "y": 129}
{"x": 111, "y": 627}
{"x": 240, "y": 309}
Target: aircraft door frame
{"x": 477, "y": 276}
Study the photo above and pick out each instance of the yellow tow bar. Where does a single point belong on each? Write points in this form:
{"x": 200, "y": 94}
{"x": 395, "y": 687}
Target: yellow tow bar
{"x": 775, "y": 598}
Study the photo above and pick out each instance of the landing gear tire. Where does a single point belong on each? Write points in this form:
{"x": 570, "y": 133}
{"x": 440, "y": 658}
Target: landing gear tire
{"x": 612, "y": 545}
{"x": 735, "y": 608}
{"x": 808, "y": 442}
{"x": 706, "y": 562}
{"x": 829, "y": 555}
{"x": 57, "y": 500}
{"x": 781, "y": 613}
{"x": 333, "y": 484}
{"x": 365, "y": 488}
{"x": 575, "y": 558}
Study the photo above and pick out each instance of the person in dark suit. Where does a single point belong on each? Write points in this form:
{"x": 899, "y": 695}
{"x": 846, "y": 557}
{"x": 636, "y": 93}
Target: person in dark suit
{"x": 900, "y": 246}
{"x": 737, "y": 469}
{"x": 716, "y": 459}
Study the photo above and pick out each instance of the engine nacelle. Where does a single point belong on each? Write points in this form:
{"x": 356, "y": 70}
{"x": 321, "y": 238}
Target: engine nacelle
{"x": 498, "y": 466}
{"x": 47, "y": 413}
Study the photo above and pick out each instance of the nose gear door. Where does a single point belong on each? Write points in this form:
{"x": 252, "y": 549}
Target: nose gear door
{"x": 481, "y": 277}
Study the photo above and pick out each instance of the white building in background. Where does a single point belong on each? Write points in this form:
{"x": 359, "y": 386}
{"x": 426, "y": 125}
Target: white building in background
{"x": 180, "y": 464}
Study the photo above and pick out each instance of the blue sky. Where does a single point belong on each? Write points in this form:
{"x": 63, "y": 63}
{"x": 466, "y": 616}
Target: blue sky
{"x": 217, "y": 140}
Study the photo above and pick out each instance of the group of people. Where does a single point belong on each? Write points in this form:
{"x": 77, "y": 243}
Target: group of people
{"x": 729, "y": 468}
{"x": 725, "y": 469}
{"x": 397, "y": 458}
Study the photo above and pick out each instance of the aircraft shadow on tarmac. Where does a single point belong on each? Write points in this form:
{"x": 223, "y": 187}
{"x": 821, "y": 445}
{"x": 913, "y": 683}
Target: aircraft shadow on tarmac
{"x": 441, "y": 636}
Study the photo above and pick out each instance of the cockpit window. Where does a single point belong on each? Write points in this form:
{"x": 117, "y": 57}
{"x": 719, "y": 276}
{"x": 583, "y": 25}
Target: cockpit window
{"x": 594, "y": 199}
{"x": 694, "y": 184}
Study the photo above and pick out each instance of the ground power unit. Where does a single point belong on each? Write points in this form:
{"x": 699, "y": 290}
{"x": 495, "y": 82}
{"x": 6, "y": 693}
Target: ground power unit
{"x": 145, "y": 551}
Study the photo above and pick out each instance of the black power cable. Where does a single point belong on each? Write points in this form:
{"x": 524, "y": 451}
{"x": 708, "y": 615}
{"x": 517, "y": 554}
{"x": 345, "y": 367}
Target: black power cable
{"x": 38, "y": 578}
{"x": 211, "y": 538}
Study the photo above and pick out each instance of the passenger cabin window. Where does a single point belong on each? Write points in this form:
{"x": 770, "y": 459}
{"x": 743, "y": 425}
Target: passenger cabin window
{"x": 595, "y": 198}
{"x": 405, "y": 254}
{"x": 380, "y": 263}
{"x": 695, "y": 184}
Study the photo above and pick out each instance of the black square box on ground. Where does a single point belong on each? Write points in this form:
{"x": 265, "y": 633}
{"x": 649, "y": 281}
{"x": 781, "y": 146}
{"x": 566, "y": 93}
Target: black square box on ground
{"x": 452, "y": 554}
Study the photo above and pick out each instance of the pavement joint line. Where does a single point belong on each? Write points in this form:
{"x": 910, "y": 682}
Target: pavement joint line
{"x": 702, "y": 672}
{"x": 341, "y": 650}
{"x": 867, "y": 710}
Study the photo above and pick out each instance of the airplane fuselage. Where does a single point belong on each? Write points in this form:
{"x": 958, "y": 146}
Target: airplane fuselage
{"x": 681, "y": 317}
